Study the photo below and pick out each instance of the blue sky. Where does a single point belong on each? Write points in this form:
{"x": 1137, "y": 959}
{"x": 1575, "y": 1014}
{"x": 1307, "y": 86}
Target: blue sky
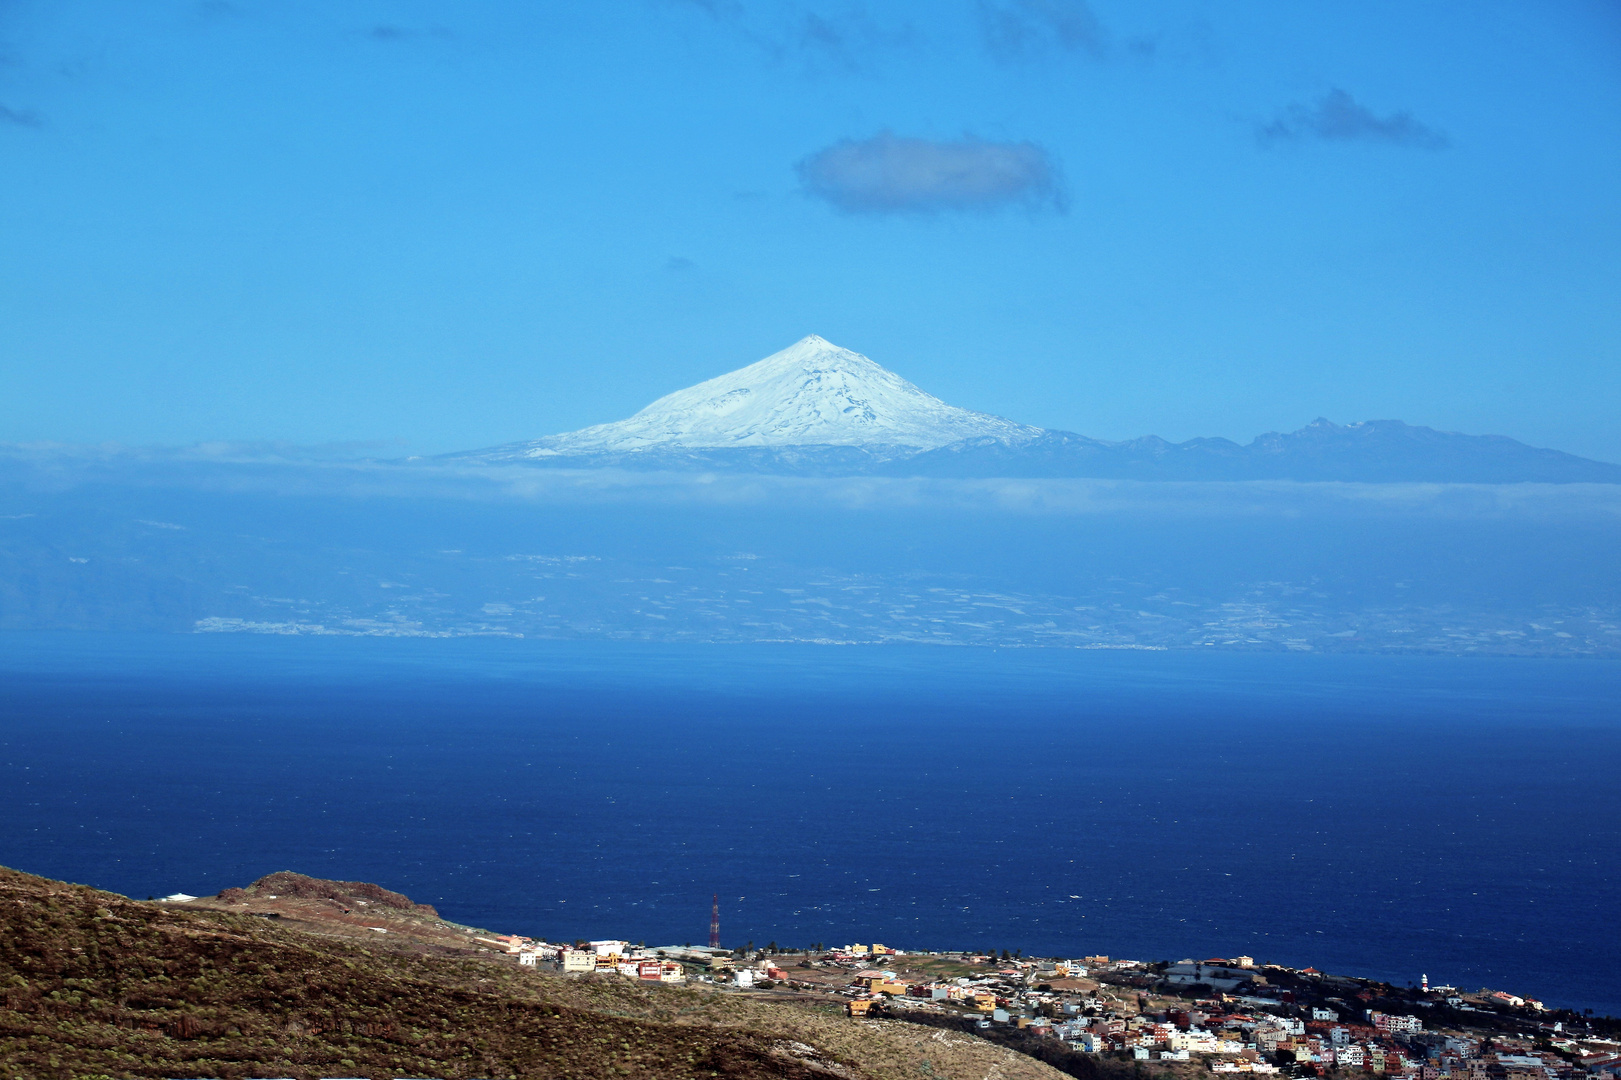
{"x": 441, "y": 226}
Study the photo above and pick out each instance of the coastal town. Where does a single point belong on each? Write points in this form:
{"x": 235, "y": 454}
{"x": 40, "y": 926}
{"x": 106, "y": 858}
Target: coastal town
{"x": 1221, "y": 1015}
{"x": 1087, "y": 1016}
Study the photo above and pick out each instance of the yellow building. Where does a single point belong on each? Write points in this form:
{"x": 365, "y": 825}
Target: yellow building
{"x": 879, "y": 982}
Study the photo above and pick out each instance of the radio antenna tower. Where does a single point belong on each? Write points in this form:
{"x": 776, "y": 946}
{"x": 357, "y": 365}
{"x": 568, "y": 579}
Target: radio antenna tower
{"x": 714, "y": 922}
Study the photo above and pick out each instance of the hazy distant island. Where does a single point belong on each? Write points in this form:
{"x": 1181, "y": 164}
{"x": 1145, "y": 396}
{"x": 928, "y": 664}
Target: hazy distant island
{"x": 816, "y": 409}
{"x": 303, "y": 977}
{"x": 815, "y": 496}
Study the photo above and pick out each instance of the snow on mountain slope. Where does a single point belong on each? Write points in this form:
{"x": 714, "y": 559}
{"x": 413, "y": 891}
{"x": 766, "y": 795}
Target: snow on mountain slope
{"x": 815, "y": 409}
{"x": 812, "y": 393}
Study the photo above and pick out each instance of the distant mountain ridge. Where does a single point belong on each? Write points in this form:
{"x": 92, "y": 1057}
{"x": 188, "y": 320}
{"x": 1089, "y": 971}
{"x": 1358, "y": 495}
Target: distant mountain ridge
{"x": 1371, "y": 451}
{"x": 815, "y": 409}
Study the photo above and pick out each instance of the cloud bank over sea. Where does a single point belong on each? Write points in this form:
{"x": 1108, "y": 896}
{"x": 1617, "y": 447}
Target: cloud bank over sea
{"x": 281, "y": 540}
{"x": 287, "y": 470}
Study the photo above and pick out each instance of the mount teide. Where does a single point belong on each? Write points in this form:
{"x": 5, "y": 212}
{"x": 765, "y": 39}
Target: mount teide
{"x": 663, "y": 527}
{"x": 820, "y": 410}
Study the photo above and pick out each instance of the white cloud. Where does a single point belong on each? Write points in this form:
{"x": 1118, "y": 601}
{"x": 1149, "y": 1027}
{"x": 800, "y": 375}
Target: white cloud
{"x": 890, "y": 174}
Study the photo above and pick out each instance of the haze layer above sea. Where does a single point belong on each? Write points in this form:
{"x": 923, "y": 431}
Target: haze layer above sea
{"x": 1386, "y": 816}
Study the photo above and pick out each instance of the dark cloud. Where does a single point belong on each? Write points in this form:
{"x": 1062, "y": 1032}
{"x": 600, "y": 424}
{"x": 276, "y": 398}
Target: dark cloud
{"x": 1339, "y": 117}
{"x": 1143, "y": 47}
{"x": 820, "y": 35}
{"x": 832, "y": 38}
{"x": 845, "y": 39}
{"x": 1018, "y": 29}
{"x": 387, "y": 33}
{"x": 21, "y": 117}
{"x": 715, "y": 9}
{"x": 888, "y": 174}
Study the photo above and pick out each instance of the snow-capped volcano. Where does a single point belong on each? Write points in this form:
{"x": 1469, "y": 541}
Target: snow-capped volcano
{"x": 815, "y": 409}
{"x": 812, "y": 393}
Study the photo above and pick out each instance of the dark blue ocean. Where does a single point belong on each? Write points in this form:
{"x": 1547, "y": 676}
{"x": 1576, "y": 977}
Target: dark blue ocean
{"x": 1381, "y": 816}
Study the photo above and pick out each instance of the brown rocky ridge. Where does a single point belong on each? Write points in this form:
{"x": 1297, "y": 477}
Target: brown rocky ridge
{"x": 95, "y": 985}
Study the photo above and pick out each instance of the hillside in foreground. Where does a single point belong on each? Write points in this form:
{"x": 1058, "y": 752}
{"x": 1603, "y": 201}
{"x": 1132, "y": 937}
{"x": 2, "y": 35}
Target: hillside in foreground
{"x": 93, "y": 984}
